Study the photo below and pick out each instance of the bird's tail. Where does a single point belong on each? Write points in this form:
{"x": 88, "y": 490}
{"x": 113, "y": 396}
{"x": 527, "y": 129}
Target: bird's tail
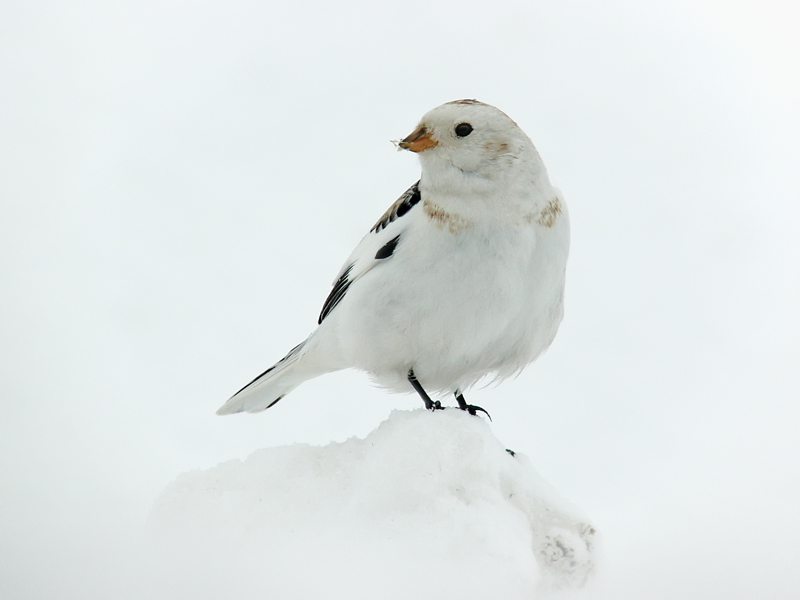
{"x": 272, "y": 385}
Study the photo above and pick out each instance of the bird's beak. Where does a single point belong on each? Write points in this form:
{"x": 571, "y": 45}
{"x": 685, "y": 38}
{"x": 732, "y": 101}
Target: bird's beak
{"x": 418, "y": 141}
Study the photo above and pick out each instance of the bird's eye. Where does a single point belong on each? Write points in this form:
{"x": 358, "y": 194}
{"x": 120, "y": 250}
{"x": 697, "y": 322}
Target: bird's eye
{"x": 463, "y": 129}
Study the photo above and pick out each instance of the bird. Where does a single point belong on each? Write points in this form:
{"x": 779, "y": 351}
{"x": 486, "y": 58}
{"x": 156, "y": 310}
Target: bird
{"x": 460, "y": 280}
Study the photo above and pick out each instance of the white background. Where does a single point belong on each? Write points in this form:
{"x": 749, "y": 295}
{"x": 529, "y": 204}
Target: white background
{"x": 181, "y": 181}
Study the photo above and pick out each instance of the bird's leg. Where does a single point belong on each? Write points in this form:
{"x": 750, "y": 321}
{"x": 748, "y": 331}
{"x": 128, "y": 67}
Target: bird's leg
{"x": 462, "y": 404}
{"x": 429, "y": 404}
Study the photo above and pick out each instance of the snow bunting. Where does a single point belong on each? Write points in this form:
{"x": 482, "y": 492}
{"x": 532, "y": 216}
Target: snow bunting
{"x": 461, "y": 278}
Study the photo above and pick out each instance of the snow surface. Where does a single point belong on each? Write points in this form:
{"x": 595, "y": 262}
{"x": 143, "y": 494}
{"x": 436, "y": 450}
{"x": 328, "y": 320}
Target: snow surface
{"x": 428, "y": 505}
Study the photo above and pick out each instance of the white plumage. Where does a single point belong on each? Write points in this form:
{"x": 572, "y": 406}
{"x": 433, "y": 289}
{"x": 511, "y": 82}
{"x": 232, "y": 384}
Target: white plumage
{"x": 462, "y": 278}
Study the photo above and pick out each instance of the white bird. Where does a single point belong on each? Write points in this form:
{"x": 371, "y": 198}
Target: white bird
{"x": 461, "y": 278}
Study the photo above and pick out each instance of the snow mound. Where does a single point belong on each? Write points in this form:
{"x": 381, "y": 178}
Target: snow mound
{"x": 427, "y": 505}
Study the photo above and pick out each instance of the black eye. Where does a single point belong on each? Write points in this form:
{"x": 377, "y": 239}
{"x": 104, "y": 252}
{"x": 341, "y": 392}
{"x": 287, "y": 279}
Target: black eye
{"x": 463, "y": 129}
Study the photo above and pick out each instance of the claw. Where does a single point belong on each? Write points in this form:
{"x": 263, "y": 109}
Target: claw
{"x": 470, "y": 408}
{"x": 429, "y": 404}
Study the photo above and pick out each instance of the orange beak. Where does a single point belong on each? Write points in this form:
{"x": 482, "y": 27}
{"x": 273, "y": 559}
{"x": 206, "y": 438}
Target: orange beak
{"x": 418, "y": 141}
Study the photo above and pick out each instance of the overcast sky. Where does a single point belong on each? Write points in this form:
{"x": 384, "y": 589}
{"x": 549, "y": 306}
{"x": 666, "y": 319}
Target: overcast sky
{"x": 180, "y": 182}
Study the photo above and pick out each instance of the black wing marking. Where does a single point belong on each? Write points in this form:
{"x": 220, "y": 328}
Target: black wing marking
{"x": 388, "y": 248}
{"x": 403, "y": 204}
{"x": 343, "y": 283}
{"x": 336, "y": 295}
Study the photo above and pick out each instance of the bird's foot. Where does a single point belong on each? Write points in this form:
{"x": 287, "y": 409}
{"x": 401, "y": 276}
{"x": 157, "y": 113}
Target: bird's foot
{"x": 470, "y": 408}
{"x": 429, "y": 404}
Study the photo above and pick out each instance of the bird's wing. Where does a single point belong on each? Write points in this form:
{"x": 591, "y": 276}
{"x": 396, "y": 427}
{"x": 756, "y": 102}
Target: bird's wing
{"x": 376, "y": 247}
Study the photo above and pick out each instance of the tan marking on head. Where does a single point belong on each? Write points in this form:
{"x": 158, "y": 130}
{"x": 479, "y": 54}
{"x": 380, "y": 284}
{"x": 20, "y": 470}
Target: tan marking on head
{"x": 549, "y": 214}
{"x": 467, "y": 101}
{"x": 496, "y": 147}
{"x": 444, "y": 219}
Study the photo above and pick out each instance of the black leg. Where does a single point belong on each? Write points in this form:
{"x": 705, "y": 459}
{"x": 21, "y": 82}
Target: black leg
{"x": 462, "y": 404}
{"x": 429, "y": 404}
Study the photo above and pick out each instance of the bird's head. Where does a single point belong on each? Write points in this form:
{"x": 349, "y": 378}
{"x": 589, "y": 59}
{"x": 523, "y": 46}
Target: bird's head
{"x": 471, "y": 137}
